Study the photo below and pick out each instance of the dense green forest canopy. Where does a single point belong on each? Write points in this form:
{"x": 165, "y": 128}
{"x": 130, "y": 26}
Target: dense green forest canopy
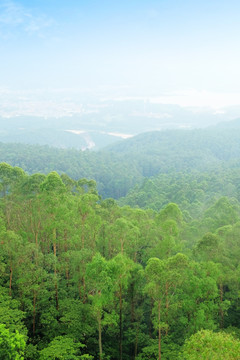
{"x": 83, "y": 278}
{"x": 118, "y": 168}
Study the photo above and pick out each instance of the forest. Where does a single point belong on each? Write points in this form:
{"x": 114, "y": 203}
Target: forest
{"x": 152, "y": 275}
{"x": 131, "y": 252}
{"x": 119, "y": 180}
{"x": 127, "y": 163}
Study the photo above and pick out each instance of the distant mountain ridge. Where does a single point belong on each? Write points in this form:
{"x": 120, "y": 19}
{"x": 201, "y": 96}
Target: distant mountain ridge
{"x": 119, "y": 167}
{"x": 102, "y": 123}
{"x": 235, "y": 123}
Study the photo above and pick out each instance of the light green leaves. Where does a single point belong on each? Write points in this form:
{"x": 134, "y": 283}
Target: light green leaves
{"x": 11, "y": 344}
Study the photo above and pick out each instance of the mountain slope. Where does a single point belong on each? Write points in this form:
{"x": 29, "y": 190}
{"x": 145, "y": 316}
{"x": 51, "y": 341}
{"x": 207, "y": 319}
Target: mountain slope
{"x": 121, "y": 166}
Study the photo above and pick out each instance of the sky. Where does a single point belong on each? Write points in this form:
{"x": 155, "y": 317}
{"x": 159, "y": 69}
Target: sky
{"x": 173, "y": 51}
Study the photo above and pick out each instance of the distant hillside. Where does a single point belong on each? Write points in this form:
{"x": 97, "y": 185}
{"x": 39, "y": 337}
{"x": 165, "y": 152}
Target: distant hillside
{"x": 194, "y": 192}
{"x": 61, "y": 133}
{"x": 233, "y": 124}
{"x": 113, "y": 175}
{"x": 181, "y": 150}
{"x": 101, "y": 123}
{"x": 119, "y": 167}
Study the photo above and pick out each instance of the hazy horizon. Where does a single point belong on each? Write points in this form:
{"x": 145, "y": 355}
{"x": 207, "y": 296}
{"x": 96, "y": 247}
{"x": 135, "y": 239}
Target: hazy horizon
{"x": 167, "y": 52}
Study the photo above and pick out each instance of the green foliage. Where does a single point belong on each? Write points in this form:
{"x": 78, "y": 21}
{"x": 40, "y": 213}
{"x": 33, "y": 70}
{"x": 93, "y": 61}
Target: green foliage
{"x": 53, "y": 183}
{"x": 12, "y": 345}
{"x": 206, "y": 344}
{"x": 170, "y": 351}
{"x": 10, "y": 313}
{"x": 61, "y": 348}
{"x": 120, "y": 167}
{"x": 76, "y": 269}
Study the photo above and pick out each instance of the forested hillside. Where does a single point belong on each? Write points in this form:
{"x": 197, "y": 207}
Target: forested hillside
{"x": 192, "y": 191}
{"x": 119, "y": 180}
{"x": 114, "y": 176}
{"x": 182, "y": 150}
{"x": 82, "y": 278}
{"x": 118, "y": 168}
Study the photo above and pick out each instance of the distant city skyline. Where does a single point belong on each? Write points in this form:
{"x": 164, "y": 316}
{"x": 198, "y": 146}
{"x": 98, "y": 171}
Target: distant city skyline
{"x": 181, "y": 52}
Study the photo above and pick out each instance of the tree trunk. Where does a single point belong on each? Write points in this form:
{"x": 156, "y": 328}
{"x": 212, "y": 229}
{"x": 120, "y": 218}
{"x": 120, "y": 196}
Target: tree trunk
{"x": 10, "y": 280}
{"x": 167, "y": 306}
{"x": 149, "y": 320}
{"x": 221, "y": 310}
{"x": 100, "y": 335}
{"x": 67, "y": 260}
{"x": 56, "y": 295}
{"x": 67, "y": 275}
{"x": 84, "y": 290}
{"x": 159, "y": 330}
{"x": 37, "y": 232}
{"x": 82, "y": 235}
{"x": 132, "y": 303}
{"x": 136, "y": 342}
{"x": 133, "y": 351}
{"x": 55, "y": 268}
{"x": 120, "y": 321}
{"x": 34, "y": 311}
{"x": 122, "y": 245}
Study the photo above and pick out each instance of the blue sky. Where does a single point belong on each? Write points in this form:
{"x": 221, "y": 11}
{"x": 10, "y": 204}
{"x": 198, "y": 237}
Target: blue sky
{"x": 128, "y": 48}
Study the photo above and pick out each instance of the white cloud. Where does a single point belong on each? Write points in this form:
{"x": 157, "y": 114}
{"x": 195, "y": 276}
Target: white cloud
{"x": 14, "y": 16}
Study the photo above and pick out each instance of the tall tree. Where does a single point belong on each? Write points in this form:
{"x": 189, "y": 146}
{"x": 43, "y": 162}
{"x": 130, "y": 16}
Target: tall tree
{"x": 121, "y": 267}
{"x": 163, "y": 277}
{"x": 101, "y": 292}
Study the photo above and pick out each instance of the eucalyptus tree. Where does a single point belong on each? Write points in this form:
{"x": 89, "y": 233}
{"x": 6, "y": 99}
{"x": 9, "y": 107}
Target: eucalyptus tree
{"x": 211, "y": 248}
{"x": 12, "y": 344}
{"x": 121, "y": 267}
{"x": 198, "y": 300}
{"x": 32, "y": 281}
{"x": 206, "y": 344}
{"x": 53, "y": 193}
{"x": 100, "y": 284}
{"x": 163, "y": 278}
{"x": 11, "y": 314}
{"x": 12, "y": 246}
{"x": 10, "y": 177}
{"x": 62, "y": 347}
